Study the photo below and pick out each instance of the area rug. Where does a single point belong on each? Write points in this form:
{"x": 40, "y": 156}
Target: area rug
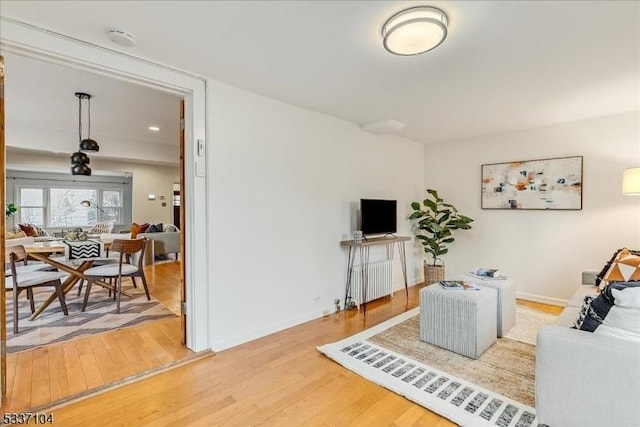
{"x": 497, "y": 389}
{"x": 52, "y": 326}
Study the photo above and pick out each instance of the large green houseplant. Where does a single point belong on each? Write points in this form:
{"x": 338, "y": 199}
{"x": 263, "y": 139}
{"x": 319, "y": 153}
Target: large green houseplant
{"x": 435, "y": 222}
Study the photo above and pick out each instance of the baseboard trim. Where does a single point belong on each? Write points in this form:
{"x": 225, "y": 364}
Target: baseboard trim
{"x": 542, "y": 299}
{"x": 225, "y": 344}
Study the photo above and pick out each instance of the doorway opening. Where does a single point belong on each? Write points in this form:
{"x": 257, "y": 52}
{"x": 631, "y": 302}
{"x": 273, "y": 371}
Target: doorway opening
{"x": 70, "y": 53}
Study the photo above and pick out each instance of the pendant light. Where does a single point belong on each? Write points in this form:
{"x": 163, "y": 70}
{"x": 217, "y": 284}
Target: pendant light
{"x": 79, "y": 160}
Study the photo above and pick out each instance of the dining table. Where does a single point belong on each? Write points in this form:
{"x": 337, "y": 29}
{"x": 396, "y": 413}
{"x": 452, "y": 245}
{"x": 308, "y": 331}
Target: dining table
{"x": 43, "y": 251}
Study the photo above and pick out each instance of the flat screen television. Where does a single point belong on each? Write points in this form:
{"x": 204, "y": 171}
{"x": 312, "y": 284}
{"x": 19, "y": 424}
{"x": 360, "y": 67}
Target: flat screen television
{"x": 378, "y": 216}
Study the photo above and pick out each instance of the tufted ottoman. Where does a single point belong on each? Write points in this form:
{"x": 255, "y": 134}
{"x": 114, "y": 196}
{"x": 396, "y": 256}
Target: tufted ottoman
{"x": 462, "y": 321}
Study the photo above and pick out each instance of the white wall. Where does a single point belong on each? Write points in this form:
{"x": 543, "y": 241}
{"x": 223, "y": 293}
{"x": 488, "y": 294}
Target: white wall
{"x": 284, "y": 182}
{"x": 147, "y": 178}
{"x": 544, "y": 251}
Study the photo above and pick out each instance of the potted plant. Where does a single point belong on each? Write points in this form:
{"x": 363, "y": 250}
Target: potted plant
{"x": 436, "y": 221}
{"x": 10, "y": 210}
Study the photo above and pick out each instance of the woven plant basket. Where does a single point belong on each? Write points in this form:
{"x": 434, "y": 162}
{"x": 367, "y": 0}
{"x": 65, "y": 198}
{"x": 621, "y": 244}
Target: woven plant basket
{"x": 433, "y": 274}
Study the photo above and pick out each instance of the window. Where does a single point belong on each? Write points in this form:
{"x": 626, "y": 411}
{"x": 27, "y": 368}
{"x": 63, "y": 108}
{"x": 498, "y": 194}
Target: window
{"x": 32, "y": 206}
{"x": 55, "y": 201}
{"x": 66, "y": 209}
{"x": 112, "y": 205}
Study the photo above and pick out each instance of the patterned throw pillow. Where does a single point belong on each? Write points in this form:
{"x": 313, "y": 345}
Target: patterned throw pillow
{"x": 41, "y": 231}
{"x": 138, "y": 228}
{"x": 625, "y": 268}
{"x": 615, "y": 312}
{"x": 582, "y": 314}
{"x": 608, "y": 265}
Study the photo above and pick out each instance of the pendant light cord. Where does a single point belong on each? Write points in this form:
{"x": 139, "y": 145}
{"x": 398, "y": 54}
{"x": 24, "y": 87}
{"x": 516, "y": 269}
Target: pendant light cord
{"x": 79, "y": 119}
{"x": 89, "y": 119}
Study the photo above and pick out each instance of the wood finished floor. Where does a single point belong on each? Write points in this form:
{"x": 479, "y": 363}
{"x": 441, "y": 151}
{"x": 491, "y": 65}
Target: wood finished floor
{"x": 38, "y": 377}
{"x": 279, "y": 380}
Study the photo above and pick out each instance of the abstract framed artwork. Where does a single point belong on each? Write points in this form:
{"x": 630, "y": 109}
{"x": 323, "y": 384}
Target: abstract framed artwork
{"x": 550, "y": 184}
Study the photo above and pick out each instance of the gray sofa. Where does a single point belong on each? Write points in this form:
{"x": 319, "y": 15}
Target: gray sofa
{"x": 167, "y": 242}
{"x": 585, "y": 379}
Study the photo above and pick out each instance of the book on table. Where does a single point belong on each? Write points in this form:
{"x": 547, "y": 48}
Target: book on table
{"x": 487, "y": 274}
{"x": 458, "y": 285}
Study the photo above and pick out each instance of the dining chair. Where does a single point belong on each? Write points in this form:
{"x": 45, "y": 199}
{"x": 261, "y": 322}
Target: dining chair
{"x": 131, "y": 253}
{"x": 27, "y": 280}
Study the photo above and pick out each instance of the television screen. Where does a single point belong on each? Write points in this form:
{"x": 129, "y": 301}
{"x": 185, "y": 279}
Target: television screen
{"x": 378, "y": 216}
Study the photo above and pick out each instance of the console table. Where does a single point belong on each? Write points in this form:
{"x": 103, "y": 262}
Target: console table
{"x": 363, "y": 250}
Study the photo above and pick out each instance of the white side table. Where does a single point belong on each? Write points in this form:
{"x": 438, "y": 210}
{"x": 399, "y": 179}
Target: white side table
{"x": 506, "y": 299}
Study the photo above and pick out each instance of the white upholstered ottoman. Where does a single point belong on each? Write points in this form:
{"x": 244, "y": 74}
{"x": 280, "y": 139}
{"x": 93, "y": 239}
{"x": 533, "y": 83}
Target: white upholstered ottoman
{"x": 460, "y": 321}
{"x": 506, "y": 299}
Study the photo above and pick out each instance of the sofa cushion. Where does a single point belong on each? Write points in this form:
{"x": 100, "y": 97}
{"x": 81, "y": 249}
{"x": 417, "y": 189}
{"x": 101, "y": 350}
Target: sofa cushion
{"x": 625, "y": 267}
{"x": 138, "y": 228}
{"x": 615, "y": 312}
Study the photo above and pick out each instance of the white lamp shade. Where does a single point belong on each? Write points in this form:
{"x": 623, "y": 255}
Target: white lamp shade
{"x": 631, "y": 181}
{"x": 415, "y": 30}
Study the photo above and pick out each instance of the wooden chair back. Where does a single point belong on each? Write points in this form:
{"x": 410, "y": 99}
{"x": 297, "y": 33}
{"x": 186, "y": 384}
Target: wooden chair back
{"x": 128, "y": 247}
{"x": 16, "y": 253}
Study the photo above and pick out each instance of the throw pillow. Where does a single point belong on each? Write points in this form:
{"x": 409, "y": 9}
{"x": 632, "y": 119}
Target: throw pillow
{"x": 41, "y": 231}
{"x": 615, "y": 312}
{"x": 137, "y": 229}
{"x": 608, "y": 265}
{"x": 29, "y": 230}
{"x": 582, "y": 314}
{"x": 625, "y": 267}
{"x": 8, "y": 235}
{"x": 155, "y": 228}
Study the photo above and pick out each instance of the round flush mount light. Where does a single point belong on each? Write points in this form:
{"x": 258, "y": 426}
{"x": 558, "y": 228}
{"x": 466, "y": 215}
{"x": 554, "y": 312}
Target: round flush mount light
{"x": 121, "y": 38}
{"x": 415, "y": 30}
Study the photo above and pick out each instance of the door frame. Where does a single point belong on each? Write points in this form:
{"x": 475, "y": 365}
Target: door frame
{"x": 28, "y": 40}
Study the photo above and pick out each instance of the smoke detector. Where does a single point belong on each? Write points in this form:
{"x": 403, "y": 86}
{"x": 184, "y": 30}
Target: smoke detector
{"x": 121, "y": 38}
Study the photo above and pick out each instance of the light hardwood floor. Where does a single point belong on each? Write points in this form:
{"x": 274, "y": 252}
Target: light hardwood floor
{"x": 38, "y": 377}
{"x": 276, "y": 380}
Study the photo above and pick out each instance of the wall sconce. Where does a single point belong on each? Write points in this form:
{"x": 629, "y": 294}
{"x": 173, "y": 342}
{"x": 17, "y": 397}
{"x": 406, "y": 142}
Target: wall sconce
{"x": 631, "y": 181}
{"x": 151, "y": 196}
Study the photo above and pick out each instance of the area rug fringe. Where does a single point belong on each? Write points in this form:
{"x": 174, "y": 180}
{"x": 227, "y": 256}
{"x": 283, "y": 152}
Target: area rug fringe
{"x": 460, "y": 401}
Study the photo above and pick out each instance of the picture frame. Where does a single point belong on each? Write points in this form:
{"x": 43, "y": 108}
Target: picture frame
{"x": 542, "y": 184}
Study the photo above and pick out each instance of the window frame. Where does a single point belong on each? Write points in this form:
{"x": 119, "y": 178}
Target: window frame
{"x": 16, "y": 180}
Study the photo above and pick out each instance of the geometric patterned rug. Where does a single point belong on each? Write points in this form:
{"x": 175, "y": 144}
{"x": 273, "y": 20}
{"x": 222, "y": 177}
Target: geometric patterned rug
{"x": 439, "y": 387}
{"x": 52, "y": 326}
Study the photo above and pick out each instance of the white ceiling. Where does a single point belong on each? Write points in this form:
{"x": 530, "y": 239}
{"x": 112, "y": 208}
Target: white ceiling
{"x": 42, "y": 112}
{"x": 505, "y": 65}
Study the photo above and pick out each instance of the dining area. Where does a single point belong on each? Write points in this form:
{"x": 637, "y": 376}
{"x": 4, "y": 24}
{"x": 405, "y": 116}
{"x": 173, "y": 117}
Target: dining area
{"x": 68, "y": 285}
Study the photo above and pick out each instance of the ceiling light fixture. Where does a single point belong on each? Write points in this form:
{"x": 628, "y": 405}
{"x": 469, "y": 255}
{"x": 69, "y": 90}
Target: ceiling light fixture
{"x": 154, "y": 128}
{"x": 79, "y": 160}
{"x": 415, "y": 30}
